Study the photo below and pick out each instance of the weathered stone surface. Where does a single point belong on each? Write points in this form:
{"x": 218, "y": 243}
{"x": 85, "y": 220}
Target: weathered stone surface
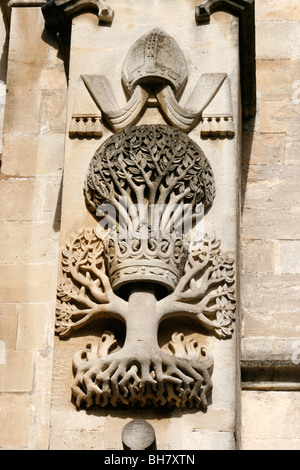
{"x": 32, "y": 326}
{"x": 280, "y": 10}
{"x": 40, "y": 246}
{"x": 269, "y": 223}
{"x": 208, "y": 440}
{"x": 8, "y": 325}
{"x": 275, "y": 78}
{"x": 289, "y": 257}
{"x": 269, "y": 352}
{"x": 292, "y": 150}
{"x": 138, "y": 434}
{"x": 262, "y": 149}
{"x": 17, "y": 373}
{"x": 33, "y": 156}
{"x": 255, "y": 323}
{"x": 14, "y": 412}
{"x": 295, "y": 36}
{"x": 36, "y": 282}
{"x": 261, "y": 422}
{"x": 20, "y": 199}
{"x": 267, "y": 48}
{"x": 279, "y": 116}
{"x": 30, "y": 208}
{"x": 259, "y": 256}
{"x": 270, "y": 293}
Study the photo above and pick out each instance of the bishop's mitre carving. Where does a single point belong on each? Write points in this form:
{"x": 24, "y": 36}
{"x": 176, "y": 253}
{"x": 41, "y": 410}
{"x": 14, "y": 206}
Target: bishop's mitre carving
{"x": 155, "y": 73}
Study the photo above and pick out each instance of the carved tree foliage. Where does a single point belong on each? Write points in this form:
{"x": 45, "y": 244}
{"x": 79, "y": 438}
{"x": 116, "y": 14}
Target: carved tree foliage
{"x": 146, "y": 166}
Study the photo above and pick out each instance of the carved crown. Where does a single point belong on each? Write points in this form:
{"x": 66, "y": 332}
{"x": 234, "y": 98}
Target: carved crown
{"x": 160, "y": 261}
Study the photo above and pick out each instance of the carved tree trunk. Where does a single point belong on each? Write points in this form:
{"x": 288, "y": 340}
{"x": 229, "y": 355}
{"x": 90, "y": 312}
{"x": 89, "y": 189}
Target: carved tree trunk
{"x": 141, "y": 322}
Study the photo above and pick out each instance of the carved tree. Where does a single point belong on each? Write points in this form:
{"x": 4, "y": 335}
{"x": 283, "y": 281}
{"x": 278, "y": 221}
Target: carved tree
{"x": 141, "y": 373}
{"x": 147, "y": 165}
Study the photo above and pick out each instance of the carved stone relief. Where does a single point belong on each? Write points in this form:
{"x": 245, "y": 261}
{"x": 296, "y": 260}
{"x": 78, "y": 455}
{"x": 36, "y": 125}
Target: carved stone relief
{"x": 139, "y": 184}
{"x": 156, "y": 67}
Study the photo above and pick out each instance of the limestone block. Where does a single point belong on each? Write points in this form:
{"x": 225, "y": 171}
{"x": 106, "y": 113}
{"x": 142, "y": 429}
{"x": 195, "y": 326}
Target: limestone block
{"x": 270, "y": 352}
{"x": 275, "y": 193}
{"x": 269, "y": 223}
{"x": 262, "y": 149}
{"x": 279, "y": 10}
{"x": 275, "y": 78}
{"x": 289, "y": 257}
{"x": 27, "y": 22}
{"x": 208, "y": 440}
{"x": 270, "y": 444}
{"x": 53, "y": 111}
{"x": 295, "y": 36}
{"x": 8, "y": 327}
{"x": 78, "y": 420}
{"x": 28, "y": 282}
{"x": 279, "y": 116}
{"x": 17, "y": 374}
{"x": 256, "y": 323}
{"x": 15, "y": 419}
{"x": 266, "y": 47}
{"x": 22, "y": 113}
{"x": 30, "y": 69}
{"x": 29, "y": 155}
{"x": 216, "y": 419}
{"x": 89, "y": 440}
{"x": 270, "y": 293}
{"x": 24, "y": 74}
{"x": 52, "y": 200}
{"x": 20, "y": 199}
{"x": 41, "y": 242}
{"x": 292, "y": 145}
{"x": 270, "y": 415}
{"x": 258, "y": 256}
{"x": 32, "y": 326}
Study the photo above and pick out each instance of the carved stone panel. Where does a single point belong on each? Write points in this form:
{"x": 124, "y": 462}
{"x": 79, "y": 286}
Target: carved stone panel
{"x": 146, "y": 302}
{"x": 150, "y": 168}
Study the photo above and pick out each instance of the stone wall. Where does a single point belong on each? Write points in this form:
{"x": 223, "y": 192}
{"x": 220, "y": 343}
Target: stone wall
{"x": 3, "y": 71}
{"x": 30, "y": 186}
{"x": 270, "y": 290}
{"x": 30, "y": 197}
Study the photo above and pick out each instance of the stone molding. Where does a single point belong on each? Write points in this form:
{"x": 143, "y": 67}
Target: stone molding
{"x": 58, "y": 13}
{"x": 244, "y": 9}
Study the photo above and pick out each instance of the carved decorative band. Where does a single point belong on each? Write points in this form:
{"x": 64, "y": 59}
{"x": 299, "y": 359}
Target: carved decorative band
{"x": 86, "y": 126}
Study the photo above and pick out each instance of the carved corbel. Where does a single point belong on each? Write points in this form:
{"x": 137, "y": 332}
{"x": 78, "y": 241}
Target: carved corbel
{"x": 58, "y": 12}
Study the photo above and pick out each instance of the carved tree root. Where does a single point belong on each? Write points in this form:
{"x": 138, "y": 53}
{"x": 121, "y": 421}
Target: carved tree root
{"x": 162, "y": 379}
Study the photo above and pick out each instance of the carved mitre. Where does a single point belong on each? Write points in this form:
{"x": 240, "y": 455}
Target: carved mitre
{"x": 153, "y": 58}
{"x": 147, "y": 182}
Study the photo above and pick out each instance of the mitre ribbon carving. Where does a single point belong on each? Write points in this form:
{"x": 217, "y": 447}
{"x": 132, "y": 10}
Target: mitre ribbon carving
{"x": 156, "y": 67}
{"x": 165, "y": 274}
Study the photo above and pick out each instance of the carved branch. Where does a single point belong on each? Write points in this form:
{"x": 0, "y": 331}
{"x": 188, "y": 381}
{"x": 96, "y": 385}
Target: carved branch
{"x": 84, "y": 292}
{"x": 206, "y": 291}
